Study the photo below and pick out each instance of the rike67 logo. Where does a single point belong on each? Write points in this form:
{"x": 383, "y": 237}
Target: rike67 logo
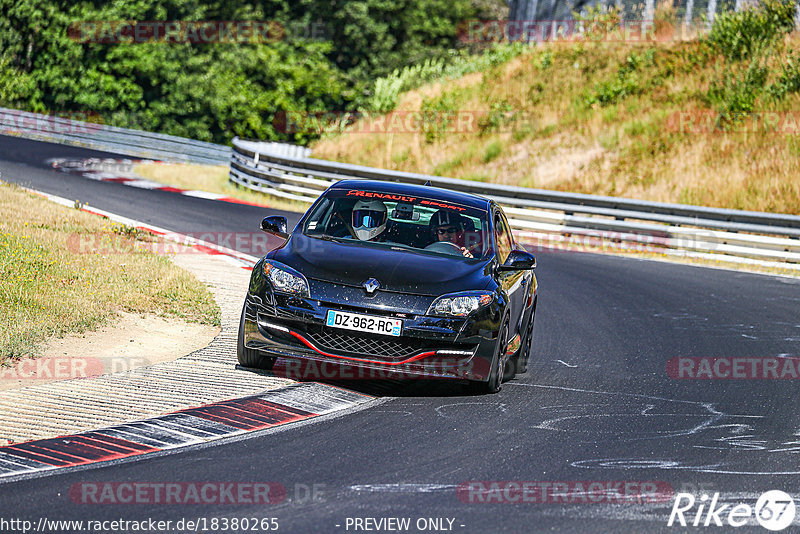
{"x": 774, "y": 510}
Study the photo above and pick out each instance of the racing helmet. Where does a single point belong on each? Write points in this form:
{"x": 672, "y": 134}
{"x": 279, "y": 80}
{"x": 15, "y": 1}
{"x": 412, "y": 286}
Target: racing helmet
{"x": 445, "y": 217}
{"x": 369, "y": 219}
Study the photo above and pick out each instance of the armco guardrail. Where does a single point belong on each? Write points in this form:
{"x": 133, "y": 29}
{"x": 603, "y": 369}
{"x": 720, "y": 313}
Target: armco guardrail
{"x": 133, "y": 143}
{"x": 544, "y": 215}
{"x": 275, "y": 149}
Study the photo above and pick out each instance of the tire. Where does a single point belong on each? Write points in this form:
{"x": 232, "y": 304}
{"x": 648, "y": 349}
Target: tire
{"x": 496, "y": 375}
{"x": 510, "y": 370}
{"x": 250, "y": 357}
{"x": 524, "y": 355}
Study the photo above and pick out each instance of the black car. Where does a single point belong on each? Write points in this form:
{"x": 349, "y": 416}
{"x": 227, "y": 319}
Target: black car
{"x": 422, "y": 281}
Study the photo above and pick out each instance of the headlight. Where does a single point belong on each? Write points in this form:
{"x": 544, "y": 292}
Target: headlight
{"x": 459, "y": 304}
{"x": 285, "y": 280}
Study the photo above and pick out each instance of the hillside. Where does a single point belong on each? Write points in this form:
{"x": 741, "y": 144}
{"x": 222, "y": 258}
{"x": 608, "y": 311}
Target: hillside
{"x": 712, "y": 121}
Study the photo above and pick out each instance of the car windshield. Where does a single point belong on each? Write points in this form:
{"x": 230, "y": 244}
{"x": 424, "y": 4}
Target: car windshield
{"x": 392, "y": 220}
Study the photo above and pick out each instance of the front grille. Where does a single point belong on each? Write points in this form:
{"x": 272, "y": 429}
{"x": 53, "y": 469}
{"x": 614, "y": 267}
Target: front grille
{"x": 366, "y": 345}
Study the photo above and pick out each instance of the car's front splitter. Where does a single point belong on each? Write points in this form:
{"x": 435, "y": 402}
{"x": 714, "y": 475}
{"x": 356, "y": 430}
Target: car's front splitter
{"x": 282, "y": 339}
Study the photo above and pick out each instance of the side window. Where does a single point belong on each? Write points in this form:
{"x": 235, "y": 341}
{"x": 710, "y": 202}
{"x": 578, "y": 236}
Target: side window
{"x": 509, "y": 233}
{"x": 502, "y": 237}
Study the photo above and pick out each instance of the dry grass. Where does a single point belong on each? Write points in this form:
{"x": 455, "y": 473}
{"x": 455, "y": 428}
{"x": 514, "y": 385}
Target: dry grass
{"x": 599, "y": 118}
{"x": 212, "y": 179}
{"x": 62, "y": 270}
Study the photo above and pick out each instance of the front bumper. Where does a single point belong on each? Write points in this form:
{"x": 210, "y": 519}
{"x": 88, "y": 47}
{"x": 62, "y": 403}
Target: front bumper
{"x": 279, "y": 325}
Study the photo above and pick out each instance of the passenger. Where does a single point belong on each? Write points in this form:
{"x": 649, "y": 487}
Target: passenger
{"x": 449, "y": 226}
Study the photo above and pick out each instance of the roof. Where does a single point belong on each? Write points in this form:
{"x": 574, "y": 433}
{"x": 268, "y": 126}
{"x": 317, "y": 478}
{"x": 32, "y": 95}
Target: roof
{"x": 425, "y": 191}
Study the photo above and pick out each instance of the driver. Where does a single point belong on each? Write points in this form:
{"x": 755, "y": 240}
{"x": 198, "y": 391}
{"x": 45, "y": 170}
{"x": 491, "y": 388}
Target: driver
{"x": 449, "y": 226}
{"x": 369, "y": 219}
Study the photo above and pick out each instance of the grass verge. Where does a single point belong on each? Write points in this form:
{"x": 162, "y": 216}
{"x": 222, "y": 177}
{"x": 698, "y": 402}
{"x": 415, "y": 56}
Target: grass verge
{"x": 63, "y": 271}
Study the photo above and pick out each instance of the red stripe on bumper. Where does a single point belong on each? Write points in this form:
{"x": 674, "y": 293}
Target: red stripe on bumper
{"x": 308, "y": 344}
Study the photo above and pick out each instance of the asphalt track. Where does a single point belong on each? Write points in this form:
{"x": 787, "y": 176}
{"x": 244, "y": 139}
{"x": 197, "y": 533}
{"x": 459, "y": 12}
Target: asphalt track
{"x": 596, "y": 405}
{"x": 23, "y": 162}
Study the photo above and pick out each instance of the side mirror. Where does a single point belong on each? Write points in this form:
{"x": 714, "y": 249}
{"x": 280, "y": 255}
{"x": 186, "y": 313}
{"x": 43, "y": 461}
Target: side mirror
{"x": 275, "y": 224}
{"x": 519, "y": 260}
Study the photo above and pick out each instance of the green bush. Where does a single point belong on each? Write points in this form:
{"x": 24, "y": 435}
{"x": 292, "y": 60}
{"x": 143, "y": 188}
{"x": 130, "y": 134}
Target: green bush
{"x": 625, "y": 83}
{"x": 386, "y": 90}
{"x": 737, "y": 35}
{"x": 610, "y": 92}
{"x": 788, "y": 81}
{"x": 736, "y": 93}
{"x": 500, "y": 113}
{"x": 438, "y": 115}
{"x": 545, "y": 60}
{"x": 598, "y": 22}
{"x": 492, "y": 151}
{"x": 746, "y": 39}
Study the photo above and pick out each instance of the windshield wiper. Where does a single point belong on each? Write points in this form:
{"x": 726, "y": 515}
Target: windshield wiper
{"x": 327, "y": 237}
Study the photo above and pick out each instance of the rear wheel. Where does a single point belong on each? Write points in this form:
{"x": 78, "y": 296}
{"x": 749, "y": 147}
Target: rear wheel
{"x": 497, "y": 372}
{"x": 250, "y": 357}
{"x": 525, "y": 350}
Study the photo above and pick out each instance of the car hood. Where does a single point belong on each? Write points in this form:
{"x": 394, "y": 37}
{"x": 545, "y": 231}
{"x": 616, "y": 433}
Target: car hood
{"x": 396, "y": 269}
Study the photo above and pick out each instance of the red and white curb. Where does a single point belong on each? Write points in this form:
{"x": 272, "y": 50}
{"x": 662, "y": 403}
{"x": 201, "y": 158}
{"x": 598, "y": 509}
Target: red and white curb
{"x": 293, "y": 403}
{"x": 121, "y": 171}
{"x": 186, "y": 427}
{"x": 235, "y": 257}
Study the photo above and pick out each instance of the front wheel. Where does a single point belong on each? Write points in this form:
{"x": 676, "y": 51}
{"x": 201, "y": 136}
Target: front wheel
{"x": 494, "y": 384}
{"x": 250, "y": 357}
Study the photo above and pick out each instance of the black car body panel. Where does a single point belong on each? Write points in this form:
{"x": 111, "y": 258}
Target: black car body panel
{"x": 278, "y": 324}
{"x": 399, "y": 270}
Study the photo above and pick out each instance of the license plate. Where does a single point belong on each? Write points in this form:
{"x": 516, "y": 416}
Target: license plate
{"x": 364, "y": 323}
